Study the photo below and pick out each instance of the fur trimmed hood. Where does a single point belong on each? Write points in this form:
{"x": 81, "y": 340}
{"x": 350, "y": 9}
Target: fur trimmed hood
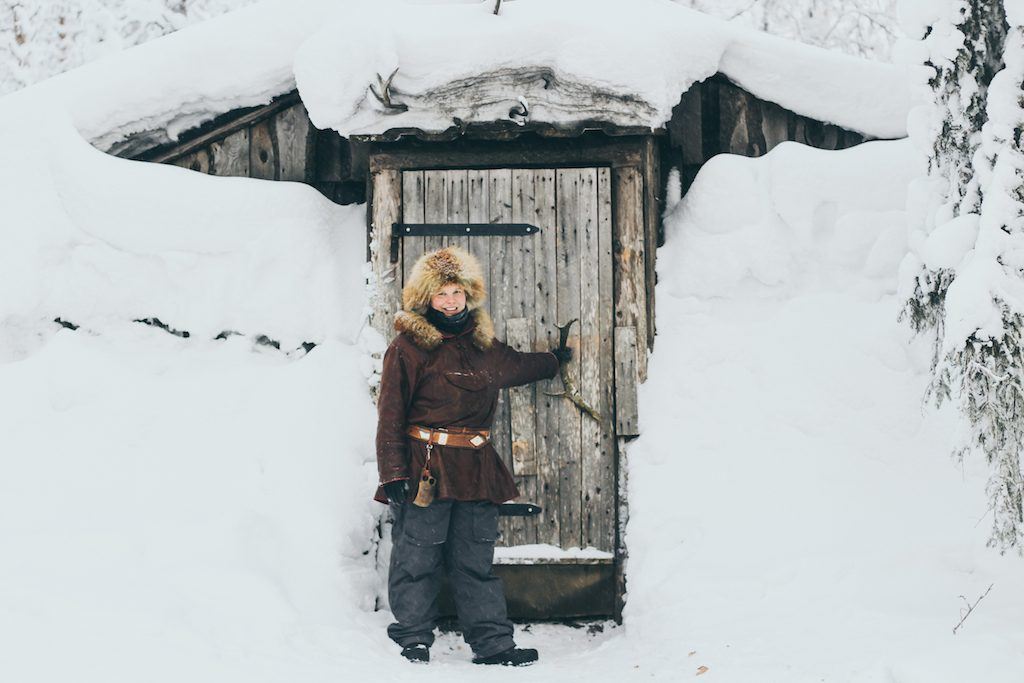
{"x": 428, "y": 337}
{"x": 435, "y": 269}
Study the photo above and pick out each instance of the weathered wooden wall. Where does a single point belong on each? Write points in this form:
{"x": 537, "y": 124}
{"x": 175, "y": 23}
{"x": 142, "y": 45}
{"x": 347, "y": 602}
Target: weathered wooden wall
{"x": 274, "y": 142}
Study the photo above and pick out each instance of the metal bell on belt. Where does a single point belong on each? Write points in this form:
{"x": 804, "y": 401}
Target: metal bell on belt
{"x": 425, "y": 493}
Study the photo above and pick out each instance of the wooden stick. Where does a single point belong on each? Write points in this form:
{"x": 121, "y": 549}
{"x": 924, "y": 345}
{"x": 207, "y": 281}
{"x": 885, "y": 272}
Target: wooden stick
{"x": 970, "y": 608}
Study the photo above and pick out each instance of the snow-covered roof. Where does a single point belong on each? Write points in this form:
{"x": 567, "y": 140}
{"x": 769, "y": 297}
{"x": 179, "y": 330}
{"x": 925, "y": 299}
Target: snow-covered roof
{"x": 567, "y": 60}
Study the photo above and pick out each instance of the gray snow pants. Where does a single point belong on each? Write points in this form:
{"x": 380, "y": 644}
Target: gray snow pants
{"x": 458, "y": 537}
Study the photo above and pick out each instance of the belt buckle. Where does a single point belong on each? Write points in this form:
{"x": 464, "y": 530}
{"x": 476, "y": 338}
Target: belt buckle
{"x": 442, "y": 438}
{"x": 477, "y": 440}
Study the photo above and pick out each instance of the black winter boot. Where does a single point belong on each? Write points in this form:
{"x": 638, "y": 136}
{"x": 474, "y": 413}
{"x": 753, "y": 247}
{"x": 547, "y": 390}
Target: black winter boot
{"x": 416, "y": 653}
{"x": 513, "y": 656}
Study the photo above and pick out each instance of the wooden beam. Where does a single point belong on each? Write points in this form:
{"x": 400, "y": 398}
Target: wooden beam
{"x": 652, "y": 229}
{"x": 630, "y": 255}
{"x": 521, "y": 154}
{"x": 626, "y": 380}
{"x": 386, "y": 209}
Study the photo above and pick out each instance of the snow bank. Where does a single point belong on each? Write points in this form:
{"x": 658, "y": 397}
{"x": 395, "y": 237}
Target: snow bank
{"x": 793, "y": 513}
{"x": 189, "y": 509}
{"x": 774, "y": 225}
{"x": 178, "y": 509}
{"x": 642, "y": 55}
{"x": 88, "y": 237}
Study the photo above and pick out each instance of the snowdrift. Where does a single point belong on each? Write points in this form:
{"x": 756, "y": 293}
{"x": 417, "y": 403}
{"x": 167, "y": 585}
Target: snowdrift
{"x": 200, "y": 509}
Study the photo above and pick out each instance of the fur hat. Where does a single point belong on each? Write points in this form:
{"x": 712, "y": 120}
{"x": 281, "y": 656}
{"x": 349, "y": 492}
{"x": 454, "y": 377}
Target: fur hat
{"x": 432, "y": 271}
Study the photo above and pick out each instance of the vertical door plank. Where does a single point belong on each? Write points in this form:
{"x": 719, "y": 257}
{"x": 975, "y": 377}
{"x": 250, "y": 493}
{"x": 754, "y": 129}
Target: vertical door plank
{"x": 522, "y": 248}
{"x": 386, "y": 209}
{"x": 412, "y": 212}
{"x": 522, "y": 282}
{"x": 604, "y": 492}
{"x": 499, "y": 210}
{"x": 545, "y": 317}
{"x": 568, "y": 287}
{"x": 435, "y": 207}
{"x": 630, "y": 287}
{"x": 523, "y": 430}
{"x": 458, "y": 204}
{"x": 294, "y": 140}
{"x": 230, "y": 156}
{"x": 478, "y": 208}
{"x": 626, "y": 416}
{"x": 597, "y": 500}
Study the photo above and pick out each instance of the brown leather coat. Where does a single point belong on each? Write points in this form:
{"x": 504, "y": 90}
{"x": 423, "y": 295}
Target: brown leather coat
{"x": 436, "y": 379}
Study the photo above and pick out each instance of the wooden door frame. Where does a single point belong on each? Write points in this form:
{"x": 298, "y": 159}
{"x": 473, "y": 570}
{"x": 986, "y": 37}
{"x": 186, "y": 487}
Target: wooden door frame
{"x": 636, "y": 209}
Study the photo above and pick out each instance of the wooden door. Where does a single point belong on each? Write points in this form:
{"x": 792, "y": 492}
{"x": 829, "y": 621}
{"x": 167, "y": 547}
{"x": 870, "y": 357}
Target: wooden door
{"x": 561, "y": 459}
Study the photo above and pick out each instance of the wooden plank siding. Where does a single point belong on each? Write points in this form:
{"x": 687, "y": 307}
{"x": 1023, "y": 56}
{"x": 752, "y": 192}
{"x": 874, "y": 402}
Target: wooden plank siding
{"x": 278, "y": 146}
{"x": 263, "y": 161}
{"x": 230, "y": 156}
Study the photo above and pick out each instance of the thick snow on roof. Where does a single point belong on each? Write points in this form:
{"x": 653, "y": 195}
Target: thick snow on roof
{"x": 582, "y": 59}
{"x": 571, "y": 60}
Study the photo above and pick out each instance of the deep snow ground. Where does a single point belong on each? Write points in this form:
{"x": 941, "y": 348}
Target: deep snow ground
{"x": 191, "y": 509}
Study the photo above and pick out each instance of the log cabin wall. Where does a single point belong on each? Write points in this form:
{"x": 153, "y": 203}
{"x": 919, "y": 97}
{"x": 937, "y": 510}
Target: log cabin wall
{"x": 272, "y": 142}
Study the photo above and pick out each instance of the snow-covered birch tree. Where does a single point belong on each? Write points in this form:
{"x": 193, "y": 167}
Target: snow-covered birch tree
{"x": 42, "y": 38}
{"x": 967, "y": 266}
{"x": 866, "y": 28}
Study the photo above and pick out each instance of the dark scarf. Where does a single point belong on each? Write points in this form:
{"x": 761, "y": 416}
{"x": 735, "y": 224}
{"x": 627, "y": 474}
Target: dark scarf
{"x": 450, "y": 324}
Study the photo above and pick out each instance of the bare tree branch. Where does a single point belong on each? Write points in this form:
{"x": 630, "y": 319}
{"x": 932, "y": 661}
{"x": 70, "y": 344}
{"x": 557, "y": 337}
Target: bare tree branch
{"x": 970, "y": 608}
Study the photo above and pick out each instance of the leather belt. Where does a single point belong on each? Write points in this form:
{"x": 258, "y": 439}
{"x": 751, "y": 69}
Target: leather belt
{"x": 453, "y": 436}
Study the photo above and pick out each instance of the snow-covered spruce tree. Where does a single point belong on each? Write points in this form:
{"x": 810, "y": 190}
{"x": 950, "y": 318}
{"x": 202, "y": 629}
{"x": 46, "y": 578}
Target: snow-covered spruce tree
{"x": 969, "y": 285}
{"x": 963, "y": 45}
{"x": 982, "y": 363}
